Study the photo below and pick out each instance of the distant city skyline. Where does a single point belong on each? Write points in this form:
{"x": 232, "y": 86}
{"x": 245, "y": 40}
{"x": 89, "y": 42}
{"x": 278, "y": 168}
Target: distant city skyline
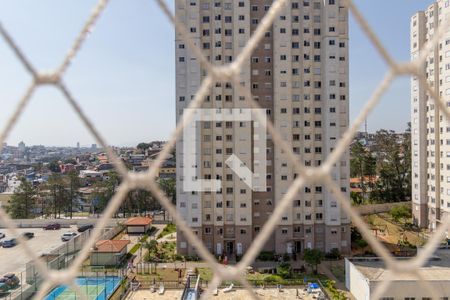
{"x": 124, "y": 77}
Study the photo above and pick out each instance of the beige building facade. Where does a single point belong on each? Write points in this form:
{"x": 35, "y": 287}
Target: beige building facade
{"x": 430, "y": 129}
{"x": 299, "y": 75}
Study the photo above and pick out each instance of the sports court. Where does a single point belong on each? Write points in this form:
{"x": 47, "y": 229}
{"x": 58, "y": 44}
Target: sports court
{"x": 96, "y": 288}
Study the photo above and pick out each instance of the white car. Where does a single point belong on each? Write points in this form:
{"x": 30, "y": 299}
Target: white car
{"x": 68, "y": 236}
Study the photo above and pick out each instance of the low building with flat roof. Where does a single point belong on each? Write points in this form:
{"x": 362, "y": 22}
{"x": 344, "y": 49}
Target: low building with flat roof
{"x": 363, "y": 274}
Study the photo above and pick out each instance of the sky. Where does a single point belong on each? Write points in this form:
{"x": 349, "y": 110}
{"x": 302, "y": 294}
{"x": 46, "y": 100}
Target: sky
{"x": 124, "y": 75}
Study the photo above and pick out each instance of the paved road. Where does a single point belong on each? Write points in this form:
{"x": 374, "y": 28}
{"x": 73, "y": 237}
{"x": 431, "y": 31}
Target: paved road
{"x": 14, "y": 259}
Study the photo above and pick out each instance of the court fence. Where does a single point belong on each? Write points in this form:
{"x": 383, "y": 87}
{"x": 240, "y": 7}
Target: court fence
{"x": 60, "y": 258}
{"x": 229, "y": 72}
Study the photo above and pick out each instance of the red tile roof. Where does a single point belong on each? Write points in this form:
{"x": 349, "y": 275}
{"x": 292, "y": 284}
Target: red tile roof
{"x": 110, "y": 246}
{"x": 138, "y": 221}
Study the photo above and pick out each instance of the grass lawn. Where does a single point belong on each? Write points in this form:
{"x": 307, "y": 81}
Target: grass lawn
{"x": 205, "y": 273}
{"x": 339, "y": 272}
{"x": 135, "y": 248}
{"x": 169, "y": 229}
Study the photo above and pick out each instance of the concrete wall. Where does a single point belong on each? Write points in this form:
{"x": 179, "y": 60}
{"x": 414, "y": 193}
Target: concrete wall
{"x": 38, "y": 223}
{"x": 378, "y": 208}
{"x": 137, "y": 229}
{"x": 355, "y": 282}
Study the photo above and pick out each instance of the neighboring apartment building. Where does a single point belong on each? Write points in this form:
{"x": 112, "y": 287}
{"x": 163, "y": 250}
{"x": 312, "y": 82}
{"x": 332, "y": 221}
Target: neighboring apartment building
{"x": 429, "y": 128}
{"x": 299, "y": 74}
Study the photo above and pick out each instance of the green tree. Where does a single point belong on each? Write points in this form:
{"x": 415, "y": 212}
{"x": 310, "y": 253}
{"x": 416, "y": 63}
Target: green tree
{"x": 54, "y": 167}
{"x": 169, "y": 188}
{"x": 313, "y": 257}
{"x": 362, "y": 166}
{"x": 103, "y": 192}
{"x": 22, "y": 202}
{"x": 143, "y": 146}
{"x": 356, "y": 198}
{"x": 58, "y": 194}
{"x": 393, "y": 154}
{"x": 73, "y": 184}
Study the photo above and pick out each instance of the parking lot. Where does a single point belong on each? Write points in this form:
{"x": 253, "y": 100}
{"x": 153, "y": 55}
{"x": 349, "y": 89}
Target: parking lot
{"x": 14, "y": 259}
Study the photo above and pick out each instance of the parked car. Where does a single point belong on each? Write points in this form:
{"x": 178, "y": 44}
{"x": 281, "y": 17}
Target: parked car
{"x": 83, "y": 228}
{"x": 9, "y": 243}
{"x": 9, "y": 281}
{"x": 52, "y": 226}
{"x": 68, "y": 236}
{"x": 12, "y": 279}
{"x": 2, "y": 235}
{"x": 28, "y": 235}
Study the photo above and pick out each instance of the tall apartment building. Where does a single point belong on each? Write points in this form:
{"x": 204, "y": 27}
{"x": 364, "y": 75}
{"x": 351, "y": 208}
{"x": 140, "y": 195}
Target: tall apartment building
{"x": 430, "y": 129}
{"x": 299, "y": 75}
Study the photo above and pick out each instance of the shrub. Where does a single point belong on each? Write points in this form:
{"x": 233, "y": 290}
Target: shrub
{"x": 273, "y": 279}
{"x": 135, "y": 248}
{"x": 335, "y": 294}
{"x": 333, "y": 254}
{"x": 361, "y": 243}
{"x": 401, "y": 212}
{"x": 284, "y": 270}
{"x": 266, "y": 256}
